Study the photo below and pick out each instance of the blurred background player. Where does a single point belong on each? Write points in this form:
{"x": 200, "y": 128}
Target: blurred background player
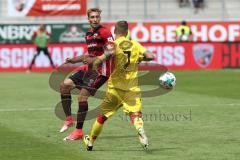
{"x": 97, "y": 38}
{"x": 41, "y": 38}
{"x": 123, "y": 89}
{"x": 183, "y": 33}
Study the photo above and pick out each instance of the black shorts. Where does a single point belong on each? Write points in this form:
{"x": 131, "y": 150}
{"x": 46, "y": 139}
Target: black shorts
{"x": 44, "y": 50}
{"x": 89, "y": 80}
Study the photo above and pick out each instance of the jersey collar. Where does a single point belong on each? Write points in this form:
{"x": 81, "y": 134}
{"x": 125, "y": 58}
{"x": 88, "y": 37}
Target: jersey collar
{"x": 96, "y": 29}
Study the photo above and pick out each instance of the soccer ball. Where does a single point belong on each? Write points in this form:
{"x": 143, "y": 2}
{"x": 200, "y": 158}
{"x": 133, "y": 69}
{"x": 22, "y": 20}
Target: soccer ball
{"x": 167, "y": 80}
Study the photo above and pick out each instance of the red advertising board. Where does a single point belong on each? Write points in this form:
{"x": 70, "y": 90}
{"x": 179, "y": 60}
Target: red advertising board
{"x": 146, "y": 32}
{"x": 18, "y": 57}
{"x": 187, "y": 55}
{"x": 24, "y": 8}
{"x": 170, "y": 55}
{"x": 231, "y": 55}
{"x": 156, "y": 32}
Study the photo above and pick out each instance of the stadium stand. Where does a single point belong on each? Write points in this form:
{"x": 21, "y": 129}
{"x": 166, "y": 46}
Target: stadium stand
{"x": 142, "y": 10}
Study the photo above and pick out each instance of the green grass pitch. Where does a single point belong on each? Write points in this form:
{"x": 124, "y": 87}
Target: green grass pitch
{"x": 199, "y": 120}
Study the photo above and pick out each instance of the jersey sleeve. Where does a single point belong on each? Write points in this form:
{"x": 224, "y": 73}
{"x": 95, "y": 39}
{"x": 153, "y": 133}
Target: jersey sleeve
{"x": 48, "y": 34}
{"x": 34, "y": 34}
{"x": 109, "y": 45}
{"x": 140, "y": 48}
{"x": 107, "y": 36}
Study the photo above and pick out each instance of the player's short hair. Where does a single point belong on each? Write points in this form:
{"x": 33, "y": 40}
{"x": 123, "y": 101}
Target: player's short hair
{"x": 121, "y": 27}
{"x": 184, "y": 23}
{"x": 42, "y": 26}
{"x": 90, "y": 10}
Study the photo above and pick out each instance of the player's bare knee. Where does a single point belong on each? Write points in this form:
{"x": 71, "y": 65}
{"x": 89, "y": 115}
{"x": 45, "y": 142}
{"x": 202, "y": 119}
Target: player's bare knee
{"x": 83, "y": 95}
{"x": 65, "y": 87}
{"x": 82, "y": 98}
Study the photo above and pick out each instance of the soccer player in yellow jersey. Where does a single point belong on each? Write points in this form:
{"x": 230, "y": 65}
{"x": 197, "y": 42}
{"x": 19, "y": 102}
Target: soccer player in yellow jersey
{"x": 123, "y": 89}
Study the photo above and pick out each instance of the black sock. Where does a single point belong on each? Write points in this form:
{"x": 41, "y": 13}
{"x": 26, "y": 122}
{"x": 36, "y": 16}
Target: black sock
{"x": 50, "y": 59}
{"x": 82, "y": 112}
{"x": 33, "y": 61}
{"x": 66, "y": 104}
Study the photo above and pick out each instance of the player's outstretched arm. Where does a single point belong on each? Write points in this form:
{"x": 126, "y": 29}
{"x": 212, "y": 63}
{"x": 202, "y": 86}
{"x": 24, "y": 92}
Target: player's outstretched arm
{"x": 109, "y": 51}
{"x": 33, "y": 37}
{"x": 148, "y": 56}
{"x": 83, "y": 58}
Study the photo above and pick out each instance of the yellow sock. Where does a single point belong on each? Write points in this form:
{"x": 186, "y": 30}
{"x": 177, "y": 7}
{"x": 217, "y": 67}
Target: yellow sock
{"x": 138, "y": 122}
{"x": 96, "y": 130}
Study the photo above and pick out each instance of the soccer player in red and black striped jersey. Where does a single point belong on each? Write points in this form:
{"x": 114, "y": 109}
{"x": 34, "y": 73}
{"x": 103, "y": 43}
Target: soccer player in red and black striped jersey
{"x": 99, "y": 42}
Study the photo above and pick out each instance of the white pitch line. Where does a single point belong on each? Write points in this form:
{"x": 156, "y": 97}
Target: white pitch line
{"x": 25, "y": 109}
{"x": 161, "y": 105}
{"x": 195, "y": 105}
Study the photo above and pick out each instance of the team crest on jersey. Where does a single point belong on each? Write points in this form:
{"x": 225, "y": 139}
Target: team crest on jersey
{"x": 203, "y": 54}
{"x": 125, "y": 45}
{"x": 95, "y": 35}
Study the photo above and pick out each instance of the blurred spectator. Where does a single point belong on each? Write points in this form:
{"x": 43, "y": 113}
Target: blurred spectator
{"x": 198, "y": 4}
{"x": 20, "y": 5}
{"x": 183, "y": 3}
{"x": 183, "y": 33}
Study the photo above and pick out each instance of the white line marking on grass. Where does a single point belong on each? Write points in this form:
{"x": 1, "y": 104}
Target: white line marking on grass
{"x": 196, "y": 105}
{"x": 25, "y": 109}
{"x": 161, "y": 105}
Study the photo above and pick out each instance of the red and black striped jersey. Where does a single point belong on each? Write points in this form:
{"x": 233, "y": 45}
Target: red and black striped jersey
{"x": 97, "y": 39}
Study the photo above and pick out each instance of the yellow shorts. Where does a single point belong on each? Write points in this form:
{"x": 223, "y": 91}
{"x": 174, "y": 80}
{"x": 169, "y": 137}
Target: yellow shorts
{"x": 116, "y": 98}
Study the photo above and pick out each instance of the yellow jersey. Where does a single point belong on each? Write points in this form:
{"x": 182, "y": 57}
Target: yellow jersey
{"x": 126, "y": 59}
{"x": 185, "y": 28}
